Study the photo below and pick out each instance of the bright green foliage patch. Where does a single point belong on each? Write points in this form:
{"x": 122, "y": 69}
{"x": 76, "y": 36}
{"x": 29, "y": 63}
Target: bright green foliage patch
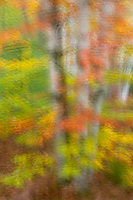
{"x": 10, "y": 16}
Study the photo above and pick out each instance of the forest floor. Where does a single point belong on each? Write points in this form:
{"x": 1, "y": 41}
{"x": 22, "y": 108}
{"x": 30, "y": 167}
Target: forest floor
{"x": 46, "y": 188}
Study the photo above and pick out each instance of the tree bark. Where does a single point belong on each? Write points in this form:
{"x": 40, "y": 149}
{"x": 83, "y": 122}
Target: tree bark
{"x": 83, "y": 179}
{"x": 123, "y": 93}
{"x": 84, "y": 44}
{"x": 58, "y": 82}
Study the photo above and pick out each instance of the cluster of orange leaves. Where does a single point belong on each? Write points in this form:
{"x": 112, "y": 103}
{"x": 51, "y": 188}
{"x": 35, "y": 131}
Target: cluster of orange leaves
{"x": 87, "y": 60}
{"x": 19, "y": 126}
{"x": 72, "y": 125}
{"x": 9, "y": 35}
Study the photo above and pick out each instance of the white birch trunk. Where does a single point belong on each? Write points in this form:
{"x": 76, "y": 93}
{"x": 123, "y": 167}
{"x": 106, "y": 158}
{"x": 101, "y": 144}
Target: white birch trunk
{"x": 70, "y": 42}
{"x": 82, "y": 181}
{"x": 121, "y": 62}
{"x": 125, "y": 90}
{"x": 84, "y": 12}
{"x": 57, "y": 75}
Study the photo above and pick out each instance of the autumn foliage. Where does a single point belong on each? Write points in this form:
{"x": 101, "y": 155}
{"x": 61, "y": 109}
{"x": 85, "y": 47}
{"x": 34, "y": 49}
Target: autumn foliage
{"x": 48, "y": 125}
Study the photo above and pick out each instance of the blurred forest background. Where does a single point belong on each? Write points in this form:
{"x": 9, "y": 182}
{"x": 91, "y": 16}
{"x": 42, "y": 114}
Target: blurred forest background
{"x": 66, "y": 106}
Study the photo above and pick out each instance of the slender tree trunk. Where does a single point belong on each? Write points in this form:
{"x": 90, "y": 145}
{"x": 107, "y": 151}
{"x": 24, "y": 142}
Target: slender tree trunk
{"x": 83, "y": 179}
{"x": 97, "y": 102}
{"x": 84, "y": 46}
{"x": 58, "y": 84}
{"x": 121, "y": 62}
{"x": 70, "y": 43}
{"x": 125, "y": 90}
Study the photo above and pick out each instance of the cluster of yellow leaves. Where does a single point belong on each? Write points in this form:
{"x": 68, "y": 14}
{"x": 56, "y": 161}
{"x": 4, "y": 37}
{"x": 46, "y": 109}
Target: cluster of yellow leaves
{"x": 112, "y": 77}
{"x": 114, "y": 145}
{"x": 32, "y": 8}
{"x": 108, "y": 137}
{"x": 23, "y": 64}
{"x": 2, "y": 1}
{"x": 129, "y": 177}
{"x": 126, "y": 23}
{"x": 46, "y": 127}
{"x": 129, "y": 50}
{"x": 92, "y": 81}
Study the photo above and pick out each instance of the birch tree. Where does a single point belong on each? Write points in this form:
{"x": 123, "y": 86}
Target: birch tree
{"x": 57, "y": 74}
{"x": 126, "y": 65}
{"x": 83, "y": 94}
{"x": 83, "y": 48}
